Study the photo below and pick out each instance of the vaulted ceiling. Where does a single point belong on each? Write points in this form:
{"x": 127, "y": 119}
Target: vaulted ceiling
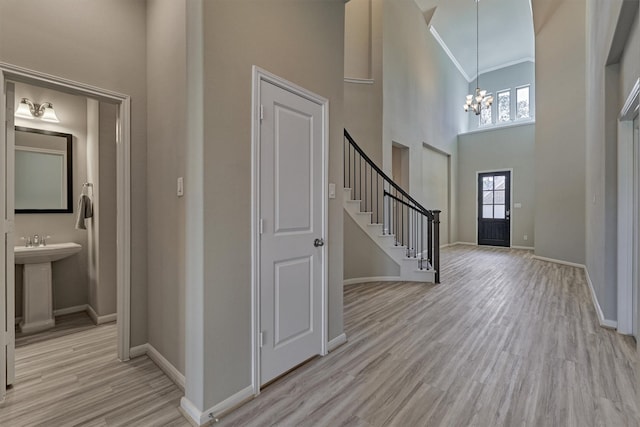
{"x": 505, "y": 32}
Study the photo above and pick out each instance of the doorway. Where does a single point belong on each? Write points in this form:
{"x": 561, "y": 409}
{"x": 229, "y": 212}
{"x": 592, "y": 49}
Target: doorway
{"x": 9, "y": 77}
{"x": 290, "y": 222}
{"x": 436, "y": 177}
{"x": 400, "y": 165}
{"x": 494, "y": 208}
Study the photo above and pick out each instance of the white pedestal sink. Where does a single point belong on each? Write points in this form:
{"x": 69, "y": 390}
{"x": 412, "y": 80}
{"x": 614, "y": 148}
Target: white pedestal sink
{"x": 37, "y": 298}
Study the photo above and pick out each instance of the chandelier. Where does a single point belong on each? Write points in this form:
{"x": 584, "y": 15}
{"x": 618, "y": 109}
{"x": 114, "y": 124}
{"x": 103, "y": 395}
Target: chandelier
{"x": 480, "y": 100}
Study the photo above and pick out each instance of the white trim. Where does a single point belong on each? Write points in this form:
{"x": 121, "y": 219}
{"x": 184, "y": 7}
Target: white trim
{"x": 625, "y": 226}
{"x": 526, "y": 248}
{"x": 605, "y": 323}
{"x": 503, "y": 125}
{"x": 139, "y": 350}
{"x": 359, "y": 81}
{"x": 625, "y": 230}
{"x": 165, "y": 366}
{"x": 337, "y": 342}
{"x": 558, "y": 261}
{"x": 70, "y": 310}
{"x": 446, "y": 49}
{"x": 171, "y": 371}
{"x": 371, "y": 279}
{"x": 216, "y": 411}
{"x": 123, "y": 182}
{"x": 259, "y": 75}
{"x": 466, "y": 243}
{"x": 99, "y": 320}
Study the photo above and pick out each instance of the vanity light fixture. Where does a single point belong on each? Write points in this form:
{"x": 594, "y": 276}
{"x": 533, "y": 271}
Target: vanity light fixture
{"x": 44, "y": 111}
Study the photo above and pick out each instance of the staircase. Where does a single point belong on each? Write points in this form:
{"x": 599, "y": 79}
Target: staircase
{"x": 406, "y": 231}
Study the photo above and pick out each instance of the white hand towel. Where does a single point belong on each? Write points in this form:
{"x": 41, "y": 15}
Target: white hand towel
{"x": 85, "y": 210}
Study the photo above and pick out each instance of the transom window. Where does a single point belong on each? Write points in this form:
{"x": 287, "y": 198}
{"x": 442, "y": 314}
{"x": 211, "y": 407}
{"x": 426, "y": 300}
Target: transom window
{"x": 522, "y": 102}
{"x": 485, "y": 115}
{"x": 504, "y": 106}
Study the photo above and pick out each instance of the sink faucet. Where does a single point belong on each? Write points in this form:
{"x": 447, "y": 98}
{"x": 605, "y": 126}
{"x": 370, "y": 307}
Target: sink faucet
{"x": 39, "y": 240}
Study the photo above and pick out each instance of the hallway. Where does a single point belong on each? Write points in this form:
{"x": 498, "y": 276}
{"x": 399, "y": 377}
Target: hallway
{"x": 504, "y": 340}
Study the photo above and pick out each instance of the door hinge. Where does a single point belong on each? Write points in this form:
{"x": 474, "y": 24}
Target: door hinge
{"x": 261, "y": 339}
{"x": 261, "y": 112}
{"x": 261, "y": 226}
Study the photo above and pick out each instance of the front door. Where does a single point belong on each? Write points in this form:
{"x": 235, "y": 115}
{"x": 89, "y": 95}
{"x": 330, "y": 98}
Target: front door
{"x": 494, "y": 208}
{"x": 292, "y": 222}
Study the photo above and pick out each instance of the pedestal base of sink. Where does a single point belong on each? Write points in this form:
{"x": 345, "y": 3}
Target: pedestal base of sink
{"x": 37, "y": 307}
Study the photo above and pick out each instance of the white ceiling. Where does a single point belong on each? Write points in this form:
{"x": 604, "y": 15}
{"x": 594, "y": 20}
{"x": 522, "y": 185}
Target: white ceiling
{"x": 506, "y": 32}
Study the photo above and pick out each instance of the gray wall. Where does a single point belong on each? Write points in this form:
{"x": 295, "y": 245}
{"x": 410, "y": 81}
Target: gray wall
{"x": 560, "y": 134}
{"x": 302, "y": 42}
{"x": 83, "y": 44}
{"x": 506, "y": 78}
{"x": 423, "y": 94}
{"x": 363, "y": 102}
{"x": 608, "y": 82}
{"x": 365, "y": 257}
{"x": 70, "y": 274}
{"x": 166, "y": 80}
{"x": 493, "y": 150}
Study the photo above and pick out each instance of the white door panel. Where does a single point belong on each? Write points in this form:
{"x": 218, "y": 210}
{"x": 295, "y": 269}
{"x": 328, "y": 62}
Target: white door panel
{"x": 291, "y": 208}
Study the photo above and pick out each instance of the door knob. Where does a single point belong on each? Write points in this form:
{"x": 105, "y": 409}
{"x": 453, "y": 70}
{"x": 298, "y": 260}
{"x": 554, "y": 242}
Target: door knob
{"x": 318, "y": 242}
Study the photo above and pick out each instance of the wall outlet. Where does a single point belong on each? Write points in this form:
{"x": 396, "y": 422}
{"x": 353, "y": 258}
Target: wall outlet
{"x": 526, "y": 237}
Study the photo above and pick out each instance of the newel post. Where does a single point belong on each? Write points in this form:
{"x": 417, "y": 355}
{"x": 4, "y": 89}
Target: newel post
{"x": 436, "y": 244}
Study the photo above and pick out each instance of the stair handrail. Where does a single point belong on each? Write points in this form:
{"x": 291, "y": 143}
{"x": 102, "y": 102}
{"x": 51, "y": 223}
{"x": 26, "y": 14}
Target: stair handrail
{"x": 424, "y": 211}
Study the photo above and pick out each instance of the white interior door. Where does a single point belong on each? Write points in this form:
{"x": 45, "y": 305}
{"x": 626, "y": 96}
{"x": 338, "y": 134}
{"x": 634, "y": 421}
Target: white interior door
{"x": 7, "y": 329}
{"x": 292, "y": 218}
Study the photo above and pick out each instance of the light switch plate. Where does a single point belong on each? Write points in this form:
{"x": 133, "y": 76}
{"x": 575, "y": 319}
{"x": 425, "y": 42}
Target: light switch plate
{"x": 332, "y": 190}
{"x": 180, "y": 190}
{"x": 517, "y": 205}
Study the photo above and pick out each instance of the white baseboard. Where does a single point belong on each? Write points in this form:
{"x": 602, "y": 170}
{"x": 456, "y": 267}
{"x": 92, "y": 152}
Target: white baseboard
{"x": 371, "y": 279}
{"x": 203, "y": 417}
{"x": 99, "y": 320}
{"x": 67, "y": 310}
{"x": 166, "y": 366}
{"x": 526, "y": 248}
{"x": 336, "y": 342}
{"x": 605, "y": 323}
{"x": 465, "y": 243}
{"x": 558, "y": 261}
{"x": 138, "y": 351}
{"x": 70, "y": 310}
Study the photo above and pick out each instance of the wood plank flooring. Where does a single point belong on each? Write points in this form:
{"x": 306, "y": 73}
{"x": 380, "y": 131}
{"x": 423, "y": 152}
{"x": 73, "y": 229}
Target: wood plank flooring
{"x": 505, "y": 340}
{"x": 75, "y": 379}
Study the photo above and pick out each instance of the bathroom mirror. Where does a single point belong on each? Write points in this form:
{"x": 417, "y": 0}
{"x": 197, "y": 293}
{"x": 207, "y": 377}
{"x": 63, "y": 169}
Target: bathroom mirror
{"x": 43, "y": 172}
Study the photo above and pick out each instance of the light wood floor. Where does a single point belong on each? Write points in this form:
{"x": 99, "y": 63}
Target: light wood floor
{"x": 505, "y": 340}
{"x": 71, "y": 376}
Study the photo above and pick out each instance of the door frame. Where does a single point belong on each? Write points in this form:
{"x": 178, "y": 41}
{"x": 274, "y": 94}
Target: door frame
{"x": 123, "y": 181}
{"x": 260, "y": 75}
{"x": 625, "y": 210}
{"x": 510, "y": 170}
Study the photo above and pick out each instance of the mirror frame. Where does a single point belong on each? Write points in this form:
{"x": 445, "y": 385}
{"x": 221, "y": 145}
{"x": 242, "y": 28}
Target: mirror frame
{"x": 69, "y": 138}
